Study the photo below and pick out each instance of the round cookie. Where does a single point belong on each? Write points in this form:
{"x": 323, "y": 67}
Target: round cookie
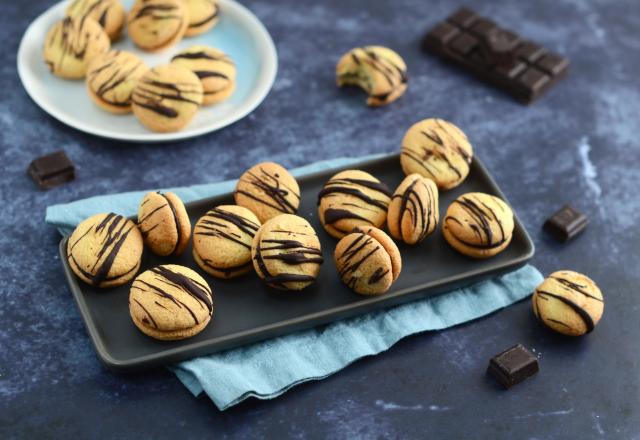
{"x": 108, "y": 13}
{"x": 170, "y": 302}
{"x": 378, "y": 70}
{"x": 203, "y": 15}
{"x": 352, "y": 198}
{"x": 222, "y": 241}
{"x": 368, "y": 261}
{"x": 71, "y": 44}
{"x": 111, "y": 78}
{"x": 154, "y": 25}
{"x": 166, "y": 98}
{"x": 478, "y": 225}
{"x": 268, "y": 190}
{"x": 164, "y": 223}
{"x": 105, "y": 250}
{"x": 568, "y": 302}
{"x": 214, "y": 68}
{"x": 286, "y": 253}
{"x": 413, "y": 212}
{"x": 438, "y": 150}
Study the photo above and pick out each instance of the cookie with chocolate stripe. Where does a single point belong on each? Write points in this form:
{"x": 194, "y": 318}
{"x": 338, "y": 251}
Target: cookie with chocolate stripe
{"x": 286, "y": 253}
{"x": 378, "y": 70}
{"x": 413, "y": 212}
{"x": 478, "y": 225}
{"x": 222, "y": 240}
{"x": 164, "y": 223}
{"x": 166, "y": 98}
{"x": 71, "y": 44}
{"x": 170, "y": 302}
{"x": 108, "y": 13}
{"x": 437, "y": 150}
{"x": 105, "y": 250}
{"x": 154, "y": 25}
{"x": 268, "y": 190}
{"x": 203, "y": 15}
{"x": 352, "y": 198}
{"x": 568, "y": 302}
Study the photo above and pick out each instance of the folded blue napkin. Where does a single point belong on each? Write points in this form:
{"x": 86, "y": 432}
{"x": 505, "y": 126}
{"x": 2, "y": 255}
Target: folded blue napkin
{"x": 269, "y": 368}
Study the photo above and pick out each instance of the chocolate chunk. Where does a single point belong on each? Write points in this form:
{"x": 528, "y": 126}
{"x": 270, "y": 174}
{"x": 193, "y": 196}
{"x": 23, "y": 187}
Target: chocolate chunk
{"x": 512, "y": 366}
{"x": 51, "y": 170}
{"x": 566, "y": 223}
{"x": 500, "y": 57}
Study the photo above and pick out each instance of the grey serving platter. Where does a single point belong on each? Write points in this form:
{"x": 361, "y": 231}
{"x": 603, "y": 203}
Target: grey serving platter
{"x": 246, "y": 311}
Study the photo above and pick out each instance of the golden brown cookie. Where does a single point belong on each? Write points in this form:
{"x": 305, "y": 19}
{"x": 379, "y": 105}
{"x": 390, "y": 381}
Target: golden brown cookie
{"x": 268, "y": 190}
{"x": 111, "y": 78}
{"x": 438, "y": 150}
{"x": 286, "y": 253}
{"x": 105, "y": 250}
{"x": 413, "y": 212}
{"x": 478, "y": 225}
{"x": 214, "y": 68}
{"x": 154, "y": 25}
{"x": 222, "y": 240}
{"x": 166, "y": 98}
{"x": 352, "y": 198}
{"x": 203, "y": 15}
{"x": 378, "y": 70}
{"x": 368, "y": 261}
{"x": 71, "y": 44}
{"x": 164, "y": 223}
{"x": 568, "y": 302}
{"x": 108, "y": 13}
{"x": 170, "y": 302}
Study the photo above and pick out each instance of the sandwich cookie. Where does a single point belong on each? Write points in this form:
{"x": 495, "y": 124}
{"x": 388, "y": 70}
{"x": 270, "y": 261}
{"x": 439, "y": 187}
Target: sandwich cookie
{"x": 170, "y": 302}
{"x": 109, "y": 14}
{"x": 154, "y": 25}
{"x": 164, "y": 223}
{"x": 437, "y": 150}
{"x": 105, "y": 250}
{"x": 413, "y": 212}
{"x": 203, "y": 15}
{"x": 286, "y": 253}
{"x": 352, "y": 198}
{"x": 222, "y": 241}
{"x": 478, "y": 225}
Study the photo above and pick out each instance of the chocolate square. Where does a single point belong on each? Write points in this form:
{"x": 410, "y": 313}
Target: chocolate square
{"x": 566, "y": 223}
{"x": 464, "y": 44}
{"x": 514, "y": 365}
{"x": 51, "y": 170}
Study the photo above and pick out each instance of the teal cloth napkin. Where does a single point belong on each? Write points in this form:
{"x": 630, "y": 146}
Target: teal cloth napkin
{"x": 267, "y": 369}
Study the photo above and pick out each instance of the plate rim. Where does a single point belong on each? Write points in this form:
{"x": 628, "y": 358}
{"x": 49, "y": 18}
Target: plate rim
{"x": 255, "y": 98}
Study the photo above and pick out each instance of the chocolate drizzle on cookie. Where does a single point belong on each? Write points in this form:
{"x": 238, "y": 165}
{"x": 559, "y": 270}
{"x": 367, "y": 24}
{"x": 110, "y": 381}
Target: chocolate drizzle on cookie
{"x": 421, "y": 214}
{"x": 483, "y": 217}
{"x": 157, "y": 95}
{"x": 270, "y": 191}
{"x": 348, "y": 264}
{"x": 106, "y": 80}
{"x": 575, "y": 287}
{"x": 209, "y": 18}
{"x": 584, "y": 315}
{"x": 217, "y": 223}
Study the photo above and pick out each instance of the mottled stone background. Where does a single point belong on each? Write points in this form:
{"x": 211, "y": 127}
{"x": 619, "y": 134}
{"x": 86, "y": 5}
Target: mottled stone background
{"x": 578, "y": 144}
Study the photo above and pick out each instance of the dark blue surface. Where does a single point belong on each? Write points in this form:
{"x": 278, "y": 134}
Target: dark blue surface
{"x": 579, "y": 143}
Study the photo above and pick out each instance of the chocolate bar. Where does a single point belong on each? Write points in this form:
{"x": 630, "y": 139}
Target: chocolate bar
{"x": 566, "y": 223}
{"x": 514, "y": 365}
{"x": 51, "y": 170}
{"x": 500, "y": 57}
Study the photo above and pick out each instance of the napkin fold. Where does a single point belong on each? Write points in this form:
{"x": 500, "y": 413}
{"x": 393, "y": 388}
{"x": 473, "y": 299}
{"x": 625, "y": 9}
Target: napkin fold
{"x": 269, "y": 368}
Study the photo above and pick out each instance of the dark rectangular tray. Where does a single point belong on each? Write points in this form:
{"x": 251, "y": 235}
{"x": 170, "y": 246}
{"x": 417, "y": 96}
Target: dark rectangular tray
{"x": 246, "y": 311}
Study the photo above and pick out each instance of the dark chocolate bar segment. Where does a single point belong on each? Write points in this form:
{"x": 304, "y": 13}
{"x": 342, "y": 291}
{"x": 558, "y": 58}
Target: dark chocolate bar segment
{"x": 499, "y": 56}
{"x": 51, "y": 170}
{"x": 566, "y": 223}
{"x": 514, "y": 365}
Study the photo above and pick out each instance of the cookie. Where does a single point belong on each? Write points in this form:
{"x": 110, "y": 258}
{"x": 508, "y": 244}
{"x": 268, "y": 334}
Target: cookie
{"x": 352, "y": 198}
{"x": 111, "y": 78}
{"x": 378, "y": 70}
{"x": 164, "y": 223}
{"x": 71, "y": 44}
{"x": 203, "y": 15}
{"x": 166, "y": 98}
{"x": 286, "y": 253}
{"x": 268, "y": 190}
{"x": 105, "y": 250}
{"x": 222, "y": 241}
{"x": 568, "y": 302}
{"x": 478, "y": 225}
{"x": 170, "y": 302}
{"x": 438, "y": 150}
{"x": 109, "y": 14}
{"x": 368, "y": 261}
{"x": 413, "y": 212}
{"x": 154, "y": 25}
{"x": 214, "y": 68}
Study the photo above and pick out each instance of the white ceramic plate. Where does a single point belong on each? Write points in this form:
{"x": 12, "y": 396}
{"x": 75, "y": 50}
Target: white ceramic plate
{"x": 239, "y": 33}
